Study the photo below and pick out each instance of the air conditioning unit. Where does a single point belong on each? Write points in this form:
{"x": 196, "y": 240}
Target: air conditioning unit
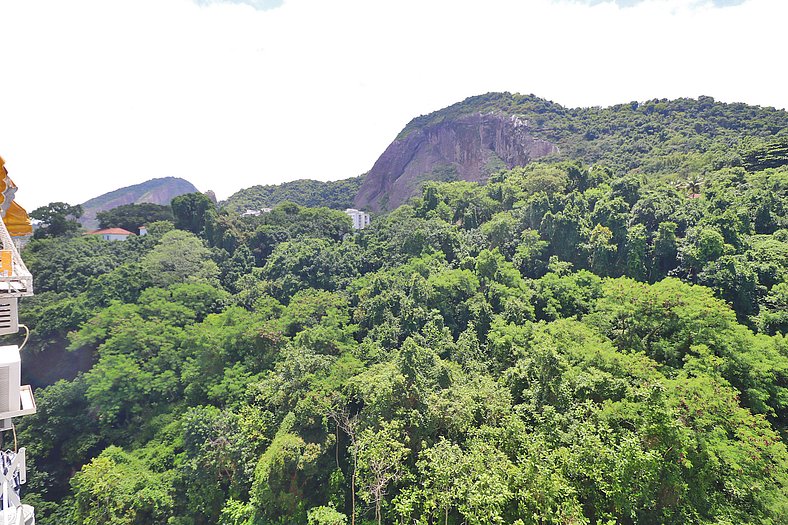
{"x": 15, "y": 399}
{"x": 9, "y": 315}
{"x": 10, "y": 379}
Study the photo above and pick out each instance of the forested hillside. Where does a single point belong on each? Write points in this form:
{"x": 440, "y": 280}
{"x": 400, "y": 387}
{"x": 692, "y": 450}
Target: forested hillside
{"x": 567, "y": 343}
{"x": 476, "y": 137}
{"x": 332, "y": 194}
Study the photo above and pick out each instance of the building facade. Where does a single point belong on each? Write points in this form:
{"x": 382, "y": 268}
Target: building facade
{"x": 360, "y": 219}
{"x": 112, "y": 234}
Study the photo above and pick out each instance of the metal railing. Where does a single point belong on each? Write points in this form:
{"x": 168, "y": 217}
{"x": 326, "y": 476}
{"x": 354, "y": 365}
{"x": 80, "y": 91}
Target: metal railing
{"x": 20, "y": 282}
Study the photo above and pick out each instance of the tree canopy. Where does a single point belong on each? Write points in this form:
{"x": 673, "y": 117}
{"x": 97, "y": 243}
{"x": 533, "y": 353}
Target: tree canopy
{"x": 58, "y": 220}
{"x": 131, "y": 216}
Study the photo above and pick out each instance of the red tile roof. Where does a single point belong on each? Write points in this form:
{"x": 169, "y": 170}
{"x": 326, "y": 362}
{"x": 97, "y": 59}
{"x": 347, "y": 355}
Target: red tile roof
{"x": 110, "y": 231}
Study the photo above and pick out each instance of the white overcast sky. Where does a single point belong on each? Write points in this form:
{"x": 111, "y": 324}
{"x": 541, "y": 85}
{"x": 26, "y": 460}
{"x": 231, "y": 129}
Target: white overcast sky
{"x": 100, "y": 94}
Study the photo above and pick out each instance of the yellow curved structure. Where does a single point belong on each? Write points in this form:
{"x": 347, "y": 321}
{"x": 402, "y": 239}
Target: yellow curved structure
{"x": 14, "y": 216}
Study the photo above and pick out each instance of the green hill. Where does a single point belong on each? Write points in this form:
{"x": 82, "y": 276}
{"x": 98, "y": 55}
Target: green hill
{"x": 474, "y": 138}
{"x": 332, "y": 194}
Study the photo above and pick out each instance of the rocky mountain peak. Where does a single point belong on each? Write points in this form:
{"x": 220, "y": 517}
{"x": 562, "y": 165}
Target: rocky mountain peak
{"x": 466, "y": 146}
{"x": 156, "y": 191}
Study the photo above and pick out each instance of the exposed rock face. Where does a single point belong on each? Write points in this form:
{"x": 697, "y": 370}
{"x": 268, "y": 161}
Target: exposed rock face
{"x": 211, "y": 195}
{"x": 155, "y": 191}
{"x": 468, "y": 147}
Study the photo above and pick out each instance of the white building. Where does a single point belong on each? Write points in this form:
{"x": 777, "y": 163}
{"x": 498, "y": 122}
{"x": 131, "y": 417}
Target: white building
{"x": 256, "y": 213}
{"x": 112, "y": 234}
{"x": 360, "y": 218}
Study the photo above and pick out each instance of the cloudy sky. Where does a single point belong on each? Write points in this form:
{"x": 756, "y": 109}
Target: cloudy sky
{"x": 99, "y": 94}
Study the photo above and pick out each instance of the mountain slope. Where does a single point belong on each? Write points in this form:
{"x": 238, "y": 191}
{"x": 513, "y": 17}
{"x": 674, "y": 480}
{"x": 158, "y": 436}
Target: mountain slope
{"x": 478, "y": 136}
{"x": 155, "y": 191}
{"x": 468, "y": 147}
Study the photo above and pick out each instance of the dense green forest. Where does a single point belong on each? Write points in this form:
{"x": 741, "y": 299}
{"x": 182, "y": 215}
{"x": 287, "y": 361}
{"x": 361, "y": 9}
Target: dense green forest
{"x": 567, "y": 343}
{"x": 332, "y": 194}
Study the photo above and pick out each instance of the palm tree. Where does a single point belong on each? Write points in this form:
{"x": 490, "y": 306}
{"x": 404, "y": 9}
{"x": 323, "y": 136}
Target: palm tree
{"x": 692, "y": 184}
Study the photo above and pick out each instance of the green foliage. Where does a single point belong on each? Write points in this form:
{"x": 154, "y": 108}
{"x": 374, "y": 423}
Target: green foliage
{"x": 68, "y": 265}
{"x": 773, "y": 318}
{"x": 180, "y": 257}
{"x": 131, "y": 216}
{"x": 118, "y": 489}
{"x": 278, "y": 478}
{"x": 381, "y": 462}
{"x": 337, "y": 195}
{"x": 117, "y": 389}
{"x": 325, "y": 516}
{"x": 59, "y": 220}
{"x": 222, "y": 448}
{"x": 191, "y": 211}
{"x": 772, "y": 154}
{"x": 313, "y": 263}
{"x": 565, "y": 344}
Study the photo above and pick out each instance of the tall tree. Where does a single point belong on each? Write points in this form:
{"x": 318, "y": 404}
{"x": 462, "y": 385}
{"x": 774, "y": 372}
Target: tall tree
{"x": 59, "y": 220}
{"x": 190, "y": 211}
{"x": 180, "y": 257}
{"x": 381, "y": 461}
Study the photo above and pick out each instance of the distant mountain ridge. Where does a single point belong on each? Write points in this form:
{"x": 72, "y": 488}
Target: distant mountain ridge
{"x": 476, "y": 137}
{"x": 156, "y": 191}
